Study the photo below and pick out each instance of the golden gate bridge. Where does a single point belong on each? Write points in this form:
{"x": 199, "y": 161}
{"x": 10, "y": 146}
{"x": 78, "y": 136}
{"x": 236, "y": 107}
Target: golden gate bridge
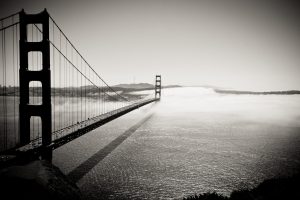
{"x": 49, "y": 94}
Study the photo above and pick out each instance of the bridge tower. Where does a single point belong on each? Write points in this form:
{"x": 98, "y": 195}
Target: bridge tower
{"x": 28, "y": 110}
{"x": 158, "y": 86}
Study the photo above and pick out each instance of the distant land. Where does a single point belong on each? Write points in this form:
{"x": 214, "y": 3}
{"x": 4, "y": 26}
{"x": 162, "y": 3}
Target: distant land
{"x": 222, "y": 90}
{"x": 126, "y": 89}
{"x": 210, "y": 87}
{"x": 135, "y": 86}
{"x": 288, "y": 92}
{"x": 90, "y": 91}
{"x": 142, "y": 86}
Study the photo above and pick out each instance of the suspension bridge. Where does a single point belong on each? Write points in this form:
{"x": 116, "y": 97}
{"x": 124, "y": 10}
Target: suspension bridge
{"x": 49, "y": 93}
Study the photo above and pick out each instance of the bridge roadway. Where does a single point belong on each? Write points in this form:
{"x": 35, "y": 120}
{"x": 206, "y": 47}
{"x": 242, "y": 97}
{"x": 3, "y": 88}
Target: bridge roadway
{"x": 70, "y": 133}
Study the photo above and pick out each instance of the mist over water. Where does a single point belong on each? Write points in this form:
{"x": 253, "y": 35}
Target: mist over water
{"x": 194, "y": 140}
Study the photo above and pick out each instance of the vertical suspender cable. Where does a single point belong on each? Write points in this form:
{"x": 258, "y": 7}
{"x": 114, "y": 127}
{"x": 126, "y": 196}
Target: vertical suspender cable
{"x": 54, "y": 85}
{"x": 33, "y": 85}
{"x": 66, "y": 88}
{"x": 14, "y": 81}
{"x": 37, "y": 95}
{"x": 17, "y": 43}
{"x": 81, "y": 91}
{"x": 4, "y": 87}
{"x": 59, "y": 83}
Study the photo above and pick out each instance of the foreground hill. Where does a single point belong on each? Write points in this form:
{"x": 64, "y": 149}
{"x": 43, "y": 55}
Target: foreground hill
{"x": 272, "y": 189}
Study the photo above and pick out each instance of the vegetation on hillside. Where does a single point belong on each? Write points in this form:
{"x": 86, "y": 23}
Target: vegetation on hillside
{"x": 272, "y": 189}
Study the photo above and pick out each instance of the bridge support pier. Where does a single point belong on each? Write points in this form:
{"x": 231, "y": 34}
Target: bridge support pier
{"x": 28, "y": 110}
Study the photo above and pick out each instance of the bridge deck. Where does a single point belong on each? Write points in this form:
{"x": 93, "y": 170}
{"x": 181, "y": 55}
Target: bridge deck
{"x": 70, "y": 133}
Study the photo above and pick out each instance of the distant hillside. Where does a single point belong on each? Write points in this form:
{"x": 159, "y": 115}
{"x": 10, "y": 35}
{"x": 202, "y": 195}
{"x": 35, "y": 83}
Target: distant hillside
{"x": 211, "y": 87}
{"x": 171, "y": 86}
{"x": 141, "y": 86}
{"x": 88, "y": 90}
{"x": 289, "y": 92}
{"x": 135, "y": 86}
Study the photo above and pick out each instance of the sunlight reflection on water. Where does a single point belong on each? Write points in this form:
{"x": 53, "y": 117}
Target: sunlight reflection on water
{"x": 196, "y": 141}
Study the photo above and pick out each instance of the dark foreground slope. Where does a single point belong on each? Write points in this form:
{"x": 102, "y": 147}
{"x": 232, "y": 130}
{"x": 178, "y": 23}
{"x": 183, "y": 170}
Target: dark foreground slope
{"x": 36, "y": 180}
{"x": 272, "y": 189}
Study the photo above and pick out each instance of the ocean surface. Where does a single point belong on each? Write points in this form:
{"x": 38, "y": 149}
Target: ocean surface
{"x": 192, "y": 141}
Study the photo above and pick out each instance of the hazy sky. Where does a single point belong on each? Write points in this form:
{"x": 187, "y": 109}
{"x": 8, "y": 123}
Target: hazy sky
{"x": 250, "y": 45}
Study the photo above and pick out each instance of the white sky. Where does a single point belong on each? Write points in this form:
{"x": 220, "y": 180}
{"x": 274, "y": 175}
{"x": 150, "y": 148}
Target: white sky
{"x": 247, "y": 45}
